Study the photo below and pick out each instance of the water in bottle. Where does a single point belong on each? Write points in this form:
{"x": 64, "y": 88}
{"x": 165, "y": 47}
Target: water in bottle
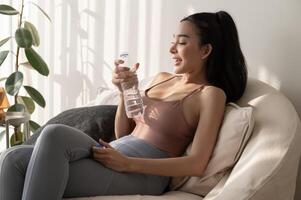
{"x": 132, "y": 98}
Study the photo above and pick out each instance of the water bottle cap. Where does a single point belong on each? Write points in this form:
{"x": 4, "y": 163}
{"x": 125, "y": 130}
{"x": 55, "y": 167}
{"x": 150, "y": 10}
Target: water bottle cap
{"x": 125, "y": 57}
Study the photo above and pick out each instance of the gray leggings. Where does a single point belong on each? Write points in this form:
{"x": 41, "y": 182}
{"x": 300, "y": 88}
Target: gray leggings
{"x": 60, "y": 165}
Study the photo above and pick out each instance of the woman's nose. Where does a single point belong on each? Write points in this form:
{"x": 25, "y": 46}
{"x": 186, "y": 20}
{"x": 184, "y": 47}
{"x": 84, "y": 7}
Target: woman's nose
{"x": 173, "y": 48}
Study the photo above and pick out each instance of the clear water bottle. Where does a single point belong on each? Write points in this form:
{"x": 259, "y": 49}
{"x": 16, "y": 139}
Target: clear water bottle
{"x": 132, "y": 98}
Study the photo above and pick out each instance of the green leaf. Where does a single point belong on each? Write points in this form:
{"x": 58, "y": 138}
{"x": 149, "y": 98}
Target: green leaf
{"x": 16, "y": 108}
{"x": 33, "y": 125}
{"x": 3, "y": 55}
{"x": 28, "y": 103}
{"x": 34, "y": 33}
{"x": 2, "y": 42}
{"x": 13, "y": 83}
{"x": 36, "y": 61}
{"x": 16, "y": 138}
{"x": 7, "y": 10}
{"x": 23, "y": 38}
{"x": 3, "y": 79}
{"x": 35, "y": 95}
{"x": 41, "y": 10}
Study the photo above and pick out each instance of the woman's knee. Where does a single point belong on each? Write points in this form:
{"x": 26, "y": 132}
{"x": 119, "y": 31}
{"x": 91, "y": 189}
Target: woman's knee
{"x": 7, "y": 158}
{"x": 16, "y": 157}
{"x": 54, "y": 133}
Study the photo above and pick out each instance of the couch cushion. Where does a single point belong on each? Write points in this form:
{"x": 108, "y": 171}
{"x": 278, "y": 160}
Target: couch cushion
{"x": 172, "y": 195}
{"x": 95, "y": 121}
{"x": 234, "y": 133}
{"x": 267, "y": 168}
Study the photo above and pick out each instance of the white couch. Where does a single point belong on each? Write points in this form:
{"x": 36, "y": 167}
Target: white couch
{"x": 268, "y": 166}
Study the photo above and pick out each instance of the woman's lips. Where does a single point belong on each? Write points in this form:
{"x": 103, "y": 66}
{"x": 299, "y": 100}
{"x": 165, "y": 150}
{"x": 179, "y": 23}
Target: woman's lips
{"x": 177, "y": 61}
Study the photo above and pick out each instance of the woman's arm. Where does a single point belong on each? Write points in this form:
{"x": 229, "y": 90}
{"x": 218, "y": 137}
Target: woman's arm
{"x": 212, "y": 106}
{"x": 123, "y": 125}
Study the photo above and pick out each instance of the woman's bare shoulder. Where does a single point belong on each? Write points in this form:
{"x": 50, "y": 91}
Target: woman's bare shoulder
{"x": 212, "y": 89}
{"x": 212, "y": 93}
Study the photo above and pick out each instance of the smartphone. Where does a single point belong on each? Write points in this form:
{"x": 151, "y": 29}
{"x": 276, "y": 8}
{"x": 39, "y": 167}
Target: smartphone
{"x": 99, "y": 145}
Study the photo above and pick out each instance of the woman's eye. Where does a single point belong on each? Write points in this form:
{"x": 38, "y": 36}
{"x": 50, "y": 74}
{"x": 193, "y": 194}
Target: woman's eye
{"x": 180, "y": 43}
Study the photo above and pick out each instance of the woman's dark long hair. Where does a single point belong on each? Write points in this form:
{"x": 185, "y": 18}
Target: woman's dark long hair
{"x": 225, "y": 67}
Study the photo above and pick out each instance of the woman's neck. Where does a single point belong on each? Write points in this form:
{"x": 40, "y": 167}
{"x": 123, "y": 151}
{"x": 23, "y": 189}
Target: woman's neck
{"x": 188, "y": 78}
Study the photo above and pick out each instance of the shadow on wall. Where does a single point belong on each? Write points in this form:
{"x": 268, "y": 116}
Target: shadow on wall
{"x": 280, "y": 68}
{"x": 73, "y": 77}
{"x": 80, "y": 61}
{"x": 80, "y": 66}
{"x": 284, "y": 83}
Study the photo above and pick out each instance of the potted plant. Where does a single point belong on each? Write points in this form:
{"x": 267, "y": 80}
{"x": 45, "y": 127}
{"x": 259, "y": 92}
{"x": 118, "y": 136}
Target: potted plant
{"x": 26, "y": 37}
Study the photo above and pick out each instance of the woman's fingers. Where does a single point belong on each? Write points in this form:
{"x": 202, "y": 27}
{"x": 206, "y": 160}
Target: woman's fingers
{"x": 110, "y": 157}
{"x": 100, "y": 152}
{"x": 123, "y": 74}
{"x": 135, "y": 68}
{"x": 117, "y": 62}
{"x": 107, "y": 145}
{"x": 103, "y": 155}
{"x": 96, "y": 151}
{"x": 100, "y": 157}
{"x": 124, "y": 77}
{"x": 119, "y": 69}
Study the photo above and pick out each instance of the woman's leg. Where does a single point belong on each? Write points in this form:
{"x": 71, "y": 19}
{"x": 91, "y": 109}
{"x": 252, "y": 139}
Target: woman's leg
{"x": 13, "y": 165}
{"x": 89, "y": 178}
{"x": 61, "y": 165}
{"x": 48, "y": 169}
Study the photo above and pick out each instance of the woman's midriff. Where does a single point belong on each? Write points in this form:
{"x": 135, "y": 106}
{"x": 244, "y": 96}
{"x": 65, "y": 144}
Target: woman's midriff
{"x": 173, "y": 146}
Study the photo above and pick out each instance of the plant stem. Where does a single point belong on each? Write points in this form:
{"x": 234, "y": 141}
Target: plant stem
{"x": 17, "y": 62}
{"x": 21, "y": 15}
{"x": 18, "y": 48}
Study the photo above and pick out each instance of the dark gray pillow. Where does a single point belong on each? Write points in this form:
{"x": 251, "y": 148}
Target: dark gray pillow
{"x": 95, "y": 121}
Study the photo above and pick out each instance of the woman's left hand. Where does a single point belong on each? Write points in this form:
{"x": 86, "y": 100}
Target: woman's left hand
{"x": 110, "y": 157}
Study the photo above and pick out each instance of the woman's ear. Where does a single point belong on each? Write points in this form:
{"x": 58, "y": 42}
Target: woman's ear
{"x": 206, "y": 50}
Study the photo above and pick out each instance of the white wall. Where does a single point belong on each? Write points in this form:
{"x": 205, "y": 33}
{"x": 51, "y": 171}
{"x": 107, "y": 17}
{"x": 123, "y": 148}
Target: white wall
{"x": 85, "y": 36}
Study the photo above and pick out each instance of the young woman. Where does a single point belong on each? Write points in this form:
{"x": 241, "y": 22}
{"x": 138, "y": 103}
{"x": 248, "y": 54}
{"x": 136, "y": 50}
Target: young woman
{"x": 180, "y": 108}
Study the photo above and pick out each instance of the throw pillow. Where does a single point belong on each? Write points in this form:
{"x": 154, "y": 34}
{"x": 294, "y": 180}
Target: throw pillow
{"x": 95, "y": 121}
{"x": 234, "y": 133}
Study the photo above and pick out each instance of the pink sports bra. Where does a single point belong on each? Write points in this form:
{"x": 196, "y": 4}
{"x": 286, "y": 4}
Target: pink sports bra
{"x": 163, "y": 123}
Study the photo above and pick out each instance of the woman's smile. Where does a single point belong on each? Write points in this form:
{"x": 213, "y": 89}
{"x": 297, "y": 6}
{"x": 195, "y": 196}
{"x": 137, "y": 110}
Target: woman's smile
{"x": 177, "y": 61}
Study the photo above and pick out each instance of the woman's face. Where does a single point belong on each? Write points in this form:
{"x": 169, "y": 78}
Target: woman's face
{"x": 185, "y": 49}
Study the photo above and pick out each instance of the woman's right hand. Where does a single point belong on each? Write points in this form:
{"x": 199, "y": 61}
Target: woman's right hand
{"x": 123, "y": 74}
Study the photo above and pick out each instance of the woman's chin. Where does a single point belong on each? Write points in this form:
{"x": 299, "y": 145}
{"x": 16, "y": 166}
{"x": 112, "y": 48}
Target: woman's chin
{"x": 177, "y": 70}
